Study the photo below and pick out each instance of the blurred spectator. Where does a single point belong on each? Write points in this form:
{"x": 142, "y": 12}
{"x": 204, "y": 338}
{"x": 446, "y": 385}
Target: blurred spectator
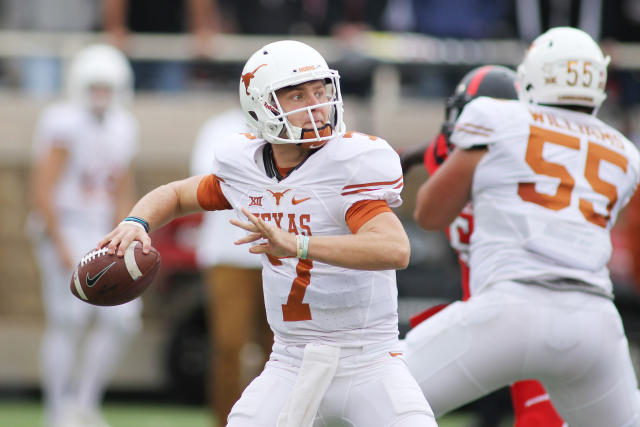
{"x": 459, "y": 19}
{"x": 198, "y": 17}
{"x": 235, "y": 302}
{"x": 81, "y": 186}
{"x": 319, "y": 17}
{"x": 453, "y": 18}
{"x": 535, "y": 17}
{"x": 261, "y": 17}
{"x": 41, "y": 73}
{"x": 621, "y": 20}
{"x": 343, "y": 18}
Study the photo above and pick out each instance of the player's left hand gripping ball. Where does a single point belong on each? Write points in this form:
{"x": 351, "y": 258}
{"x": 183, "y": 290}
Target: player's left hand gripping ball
{"x": 103, "y": 279}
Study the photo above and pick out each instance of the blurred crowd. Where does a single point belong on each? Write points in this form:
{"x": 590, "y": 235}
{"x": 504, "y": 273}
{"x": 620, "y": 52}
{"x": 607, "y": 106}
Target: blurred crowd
{"x": 40, "y": 74}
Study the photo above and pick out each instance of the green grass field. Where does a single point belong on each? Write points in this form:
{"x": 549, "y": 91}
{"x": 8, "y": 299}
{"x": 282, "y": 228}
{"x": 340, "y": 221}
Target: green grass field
{"x": 29, "y": 414}
{"x": 17, "y": 413}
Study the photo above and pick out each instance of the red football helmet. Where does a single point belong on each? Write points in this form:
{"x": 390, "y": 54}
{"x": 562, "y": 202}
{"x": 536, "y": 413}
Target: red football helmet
{"x": 493, "y": 81}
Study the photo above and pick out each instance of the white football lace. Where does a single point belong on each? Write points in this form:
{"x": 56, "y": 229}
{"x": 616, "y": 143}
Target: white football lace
{"x": 92, "y": 255}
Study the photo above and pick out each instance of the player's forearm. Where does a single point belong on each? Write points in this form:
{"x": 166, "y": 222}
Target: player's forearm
{"x": 124, "y": 195}
{"x": 167, "y": 202}
{"x": 114, "y": 13}
{"x": 380, "y": 244}
{"x": 203, "y": 15}
{"x": 368, "y": 252}
{"x": 441, "y": 198}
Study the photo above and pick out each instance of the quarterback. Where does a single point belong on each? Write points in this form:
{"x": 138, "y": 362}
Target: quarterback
{"x": 315, "y": 202}
{"x": 547, "y": 180}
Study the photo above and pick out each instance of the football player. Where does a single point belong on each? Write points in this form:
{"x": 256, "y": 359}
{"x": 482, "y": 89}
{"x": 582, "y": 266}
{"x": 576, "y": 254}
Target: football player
{"x": 81, "y": 182}
{"x": 547, "y": 180}
{"x": 316, "y": 202}
{"x": 531, "y": 402}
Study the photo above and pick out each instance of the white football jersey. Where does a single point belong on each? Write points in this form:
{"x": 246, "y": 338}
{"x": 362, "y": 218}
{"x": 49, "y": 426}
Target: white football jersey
{"x": 97, "y": 153}
{"x": 307, "y": 300}
{"x": 215, "y": 239}
{"x": 546, "y": 193}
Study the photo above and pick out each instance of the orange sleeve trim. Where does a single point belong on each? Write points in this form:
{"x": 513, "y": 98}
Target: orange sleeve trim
{"x": 210, "y": 196}
{"x": 361, "y": 212}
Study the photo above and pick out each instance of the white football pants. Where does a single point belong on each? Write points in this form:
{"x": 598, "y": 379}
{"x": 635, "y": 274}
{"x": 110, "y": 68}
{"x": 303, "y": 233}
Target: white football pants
{"x": 371, "y": 387}
{"x": 67, "y": 319}
{"x": 573, "y": 342}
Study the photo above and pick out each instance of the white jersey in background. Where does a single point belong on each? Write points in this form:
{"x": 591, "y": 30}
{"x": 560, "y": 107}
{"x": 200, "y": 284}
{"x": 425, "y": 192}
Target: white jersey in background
{"x": 97, "y": 154}
{"x": 210, "y": 251}
{"x": 567, "y": 176}
{"x": 309, "y": 301}
{"x": 98, "y": 151}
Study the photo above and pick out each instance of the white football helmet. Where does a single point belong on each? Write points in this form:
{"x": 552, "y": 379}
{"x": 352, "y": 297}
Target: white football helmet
{"x": 102, "y": 65}
{"x": 278, "y": 65}
{"x": 563, "y": 66}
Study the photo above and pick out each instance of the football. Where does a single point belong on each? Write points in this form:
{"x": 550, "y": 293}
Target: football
{"x": 103, "y": 279}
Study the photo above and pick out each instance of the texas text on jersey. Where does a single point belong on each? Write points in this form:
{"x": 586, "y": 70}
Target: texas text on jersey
{"x": 335, "y": 310}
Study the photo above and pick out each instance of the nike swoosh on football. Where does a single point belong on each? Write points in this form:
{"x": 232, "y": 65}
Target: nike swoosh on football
{"x": 295, "y": 201}
{"x": 92, "y": 280}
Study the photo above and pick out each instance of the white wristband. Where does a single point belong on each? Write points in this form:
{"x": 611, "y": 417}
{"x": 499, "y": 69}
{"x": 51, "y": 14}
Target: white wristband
{"x": 137, "y": 224}
{"x": 302, "y": 246}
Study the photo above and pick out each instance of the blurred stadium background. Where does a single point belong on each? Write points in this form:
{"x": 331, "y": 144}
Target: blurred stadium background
{"x": 397, "y": 64}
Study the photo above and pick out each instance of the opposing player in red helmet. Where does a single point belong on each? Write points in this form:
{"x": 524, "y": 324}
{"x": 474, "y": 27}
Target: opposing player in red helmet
{"x": 531, "y": 403}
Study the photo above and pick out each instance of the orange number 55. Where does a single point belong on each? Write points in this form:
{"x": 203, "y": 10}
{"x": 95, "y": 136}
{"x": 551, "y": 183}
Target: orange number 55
{"x": 562, "y": 198}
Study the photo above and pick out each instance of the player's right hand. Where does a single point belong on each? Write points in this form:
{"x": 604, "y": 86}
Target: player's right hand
{"x": 279, "y": 243}
{"x": 121, "y": 237}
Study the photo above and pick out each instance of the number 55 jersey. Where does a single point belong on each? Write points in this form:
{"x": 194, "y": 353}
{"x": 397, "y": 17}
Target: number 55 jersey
{"x": 546, "y": 193}
{"x": 308, "y": 301}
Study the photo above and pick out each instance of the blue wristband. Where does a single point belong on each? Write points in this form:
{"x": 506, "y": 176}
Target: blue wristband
{"x": 140, "y": 221}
